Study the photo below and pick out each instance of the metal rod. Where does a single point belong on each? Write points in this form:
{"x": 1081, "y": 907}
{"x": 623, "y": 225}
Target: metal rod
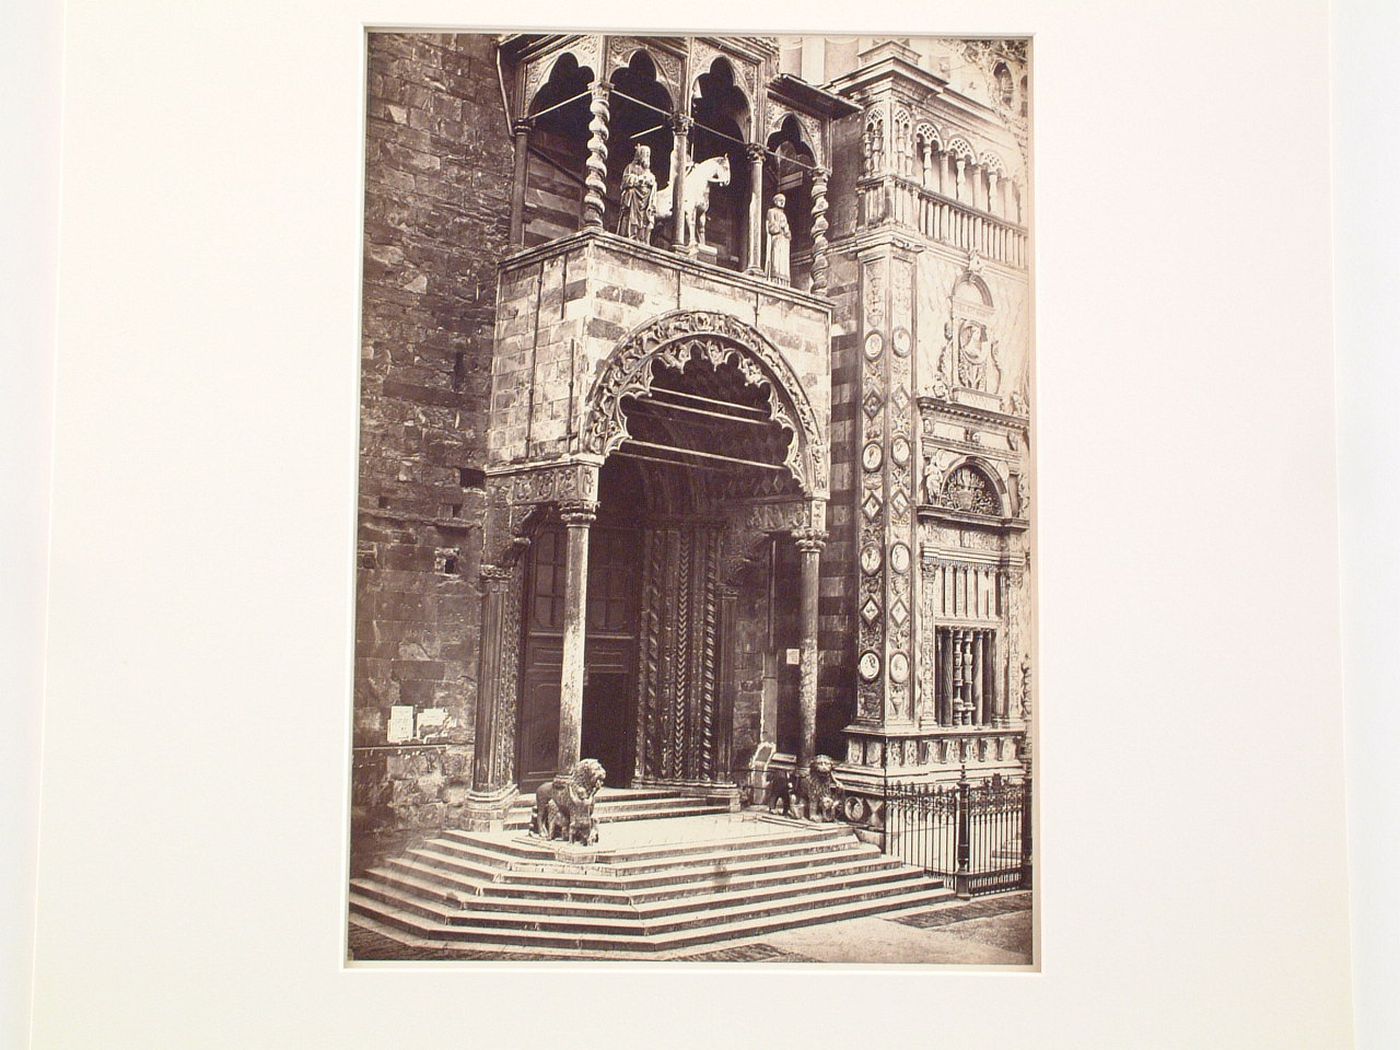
{"x": 551, "y": 109}
{"x": 705, "y": 455}
{"x": 669, "y": 462}
{"x": 716, "y": 131}
{"x": 706, "y": 400}
{"x": 704, "y": 412}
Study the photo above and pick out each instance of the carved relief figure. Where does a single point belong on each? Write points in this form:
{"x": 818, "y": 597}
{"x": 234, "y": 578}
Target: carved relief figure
{"x": 638, "y": 192}
{"x": 933, "y": 480}
{"x": 779, "y": 241}
{"x": 564, "y": 806}
{"x": 974, "y": 354}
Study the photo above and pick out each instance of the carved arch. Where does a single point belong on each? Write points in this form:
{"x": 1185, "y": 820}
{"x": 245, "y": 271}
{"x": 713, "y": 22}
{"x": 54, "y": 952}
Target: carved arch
{"x": 808, "y": 132}
{"x": 585, "y": 51}
{"x": 928, "y": 132}
{"x": 621, "y": 51}
{"x": 992, "y": 162}
{"x": 960, "y": 147}
{"x": 985, "y": 481}
{"x": 674, "y": 339}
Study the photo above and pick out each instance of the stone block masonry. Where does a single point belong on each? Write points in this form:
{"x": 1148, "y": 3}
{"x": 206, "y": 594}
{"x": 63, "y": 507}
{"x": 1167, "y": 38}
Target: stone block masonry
{"x": 437, "y": 218}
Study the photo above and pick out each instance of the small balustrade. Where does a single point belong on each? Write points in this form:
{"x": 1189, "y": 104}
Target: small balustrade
{"x": 892, "y": 198}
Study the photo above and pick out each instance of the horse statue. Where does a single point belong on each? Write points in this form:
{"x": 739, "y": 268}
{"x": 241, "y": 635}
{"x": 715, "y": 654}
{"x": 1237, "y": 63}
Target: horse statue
{"x": 697, "y": 196}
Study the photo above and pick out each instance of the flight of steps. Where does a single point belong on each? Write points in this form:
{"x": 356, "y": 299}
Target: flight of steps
{"x": 509, "y": 892}
{"x": 619, "y": 804}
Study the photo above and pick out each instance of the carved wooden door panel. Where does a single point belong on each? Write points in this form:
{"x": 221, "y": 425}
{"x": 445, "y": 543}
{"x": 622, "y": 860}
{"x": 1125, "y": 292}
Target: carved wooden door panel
{"x": 539, "y": 712}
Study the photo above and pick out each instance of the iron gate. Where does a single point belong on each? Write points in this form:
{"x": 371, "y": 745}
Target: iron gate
{"x": 978, "y": 835}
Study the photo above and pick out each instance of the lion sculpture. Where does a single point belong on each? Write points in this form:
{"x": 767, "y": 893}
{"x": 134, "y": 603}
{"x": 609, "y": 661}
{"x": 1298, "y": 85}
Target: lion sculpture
{"x": 816, "y": 796}
{"x": 820, "y": 791}
{"x": 564, "y": 806}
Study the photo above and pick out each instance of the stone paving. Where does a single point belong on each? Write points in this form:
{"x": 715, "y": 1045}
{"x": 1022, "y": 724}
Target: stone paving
{"x": 990, "y": 931}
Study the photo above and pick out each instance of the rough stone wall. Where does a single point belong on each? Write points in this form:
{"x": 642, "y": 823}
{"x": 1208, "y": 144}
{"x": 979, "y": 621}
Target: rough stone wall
{"x": 437, "y": 205}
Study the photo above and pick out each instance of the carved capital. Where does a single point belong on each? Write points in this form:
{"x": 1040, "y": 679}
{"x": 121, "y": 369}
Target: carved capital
{"x": 809, "y": 541}
{"x": 578, "y": 512}
{"x": 496, "y": 577}
{"x": 755, "y": 152}
{"x": 820, "y": 173}
{"x": 523, "y": 125}
{"x": 681, "y": 123}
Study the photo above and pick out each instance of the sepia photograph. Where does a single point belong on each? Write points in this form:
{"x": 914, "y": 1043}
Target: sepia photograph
{"x": 694, "y": 597}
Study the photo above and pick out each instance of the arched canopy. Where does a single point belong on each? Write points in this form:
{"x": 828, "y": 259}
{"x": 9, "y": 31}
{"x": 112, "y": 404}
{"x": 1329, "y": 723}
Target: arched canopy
{"x": 725, "y": 395}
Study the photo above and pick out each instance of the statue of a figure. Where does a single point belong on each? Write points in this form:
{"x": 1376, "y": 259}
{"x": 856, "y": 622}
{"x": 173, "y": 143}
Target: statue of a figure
{"x": 933, "y": 481}
{"x": 638, "y": 213}
{"x": 973, "y": 351}
{"x": 779, "y": 241}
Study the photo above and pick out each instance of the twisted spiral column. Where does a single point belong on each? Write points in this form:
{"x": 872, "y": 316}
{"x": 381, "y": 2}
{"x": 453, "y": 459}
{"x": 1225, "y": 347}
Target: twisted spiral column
{"x": 595, "y": 183}
{"x": 819, "y": 228}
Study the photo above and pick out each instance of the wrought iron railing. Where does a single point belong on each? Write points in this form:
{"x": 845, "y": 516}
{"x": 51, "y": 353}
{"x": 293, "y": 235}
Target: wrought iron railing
{"x": 978, "y": 835}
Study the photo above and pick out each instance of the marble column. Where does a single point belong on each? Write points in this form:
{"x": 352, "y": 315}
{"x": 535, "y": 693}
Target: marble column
{"x": 820, "y": 262}
{"x": 495, "y": 581}
{"x": 681, "y": 124}
{"x": 755, "y": 153}
{"x": 595, "y": 183}
{"x": 809, "y": 544}
{"x": 521, "y": 128}
{"x": 577, "y": 516}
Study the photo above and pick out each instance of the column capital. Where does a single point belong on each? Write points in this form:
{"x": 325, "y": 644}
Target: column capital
{"x": 522, "y": 125}
{"x": 755, "y": 152}
{"x": 497, "y": 577}
{"x": 681, "y": 123}
{"x": 578, "y": 511}
{"x": 809, "y": 541}
{"x": 600, "y": 88}
{"x": 821, "y": 172}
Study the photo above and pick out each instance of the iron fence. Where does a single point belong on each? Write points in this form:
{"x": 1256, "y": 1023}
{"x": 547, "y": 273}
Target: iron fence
{"x": 978, "y": 835}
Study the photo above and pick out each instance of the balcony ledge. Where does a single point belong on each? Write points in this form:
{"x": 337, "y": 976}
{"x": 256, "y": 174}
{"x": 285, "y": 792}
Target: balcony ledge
{"x": 664, "y": 257}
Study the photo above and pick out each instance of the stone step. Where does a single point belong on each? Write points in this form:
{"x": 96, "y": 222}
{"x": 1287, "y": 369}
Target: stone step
{"x": 658, "y": 870}
{"x": 583, "y": 941}
{"x": 458, "y": 882}
{"x": 389, "y": 884}
{"x": 535, "y": 850}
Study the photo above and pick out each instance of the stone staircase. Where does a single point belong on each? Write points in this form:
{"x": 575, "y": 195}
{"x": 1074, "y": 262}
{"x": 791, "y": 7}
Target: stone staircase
{"x": 655, "y": 889}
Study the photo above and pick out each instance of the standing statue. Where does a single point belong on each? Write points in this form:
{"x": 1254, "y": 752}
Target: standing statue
{"x": 779, "y": 241}
{"x": 638, "y": 212}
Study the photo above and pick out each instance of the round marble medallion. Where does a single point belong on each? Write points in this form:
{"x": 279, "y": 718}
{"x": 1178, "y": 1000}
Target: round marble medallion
{"x": 870, "y": 560}
{"x": 874, "y": 343}
{"x": 899, "y": 558}
{"x": 872, "y": 456}
{"x": 869, "y": 666}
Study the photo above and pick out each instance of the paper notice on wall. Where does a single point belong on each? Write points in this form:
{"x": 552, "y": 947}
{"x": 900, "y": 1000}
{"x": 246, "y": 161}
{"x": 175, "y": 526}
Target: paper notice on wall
{"x": 431, "y": 720}
{"x": 400, "y": 723}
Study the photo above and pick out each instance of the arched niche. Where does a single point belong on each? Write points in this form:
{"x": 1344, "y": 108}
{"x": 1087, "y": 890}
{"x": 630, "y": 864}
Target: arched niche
{"x": 723, "y": 117}
{"x": 788, "y": 170}
{"x": 558, "y": 148}
{"x": 641, "y": 103}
